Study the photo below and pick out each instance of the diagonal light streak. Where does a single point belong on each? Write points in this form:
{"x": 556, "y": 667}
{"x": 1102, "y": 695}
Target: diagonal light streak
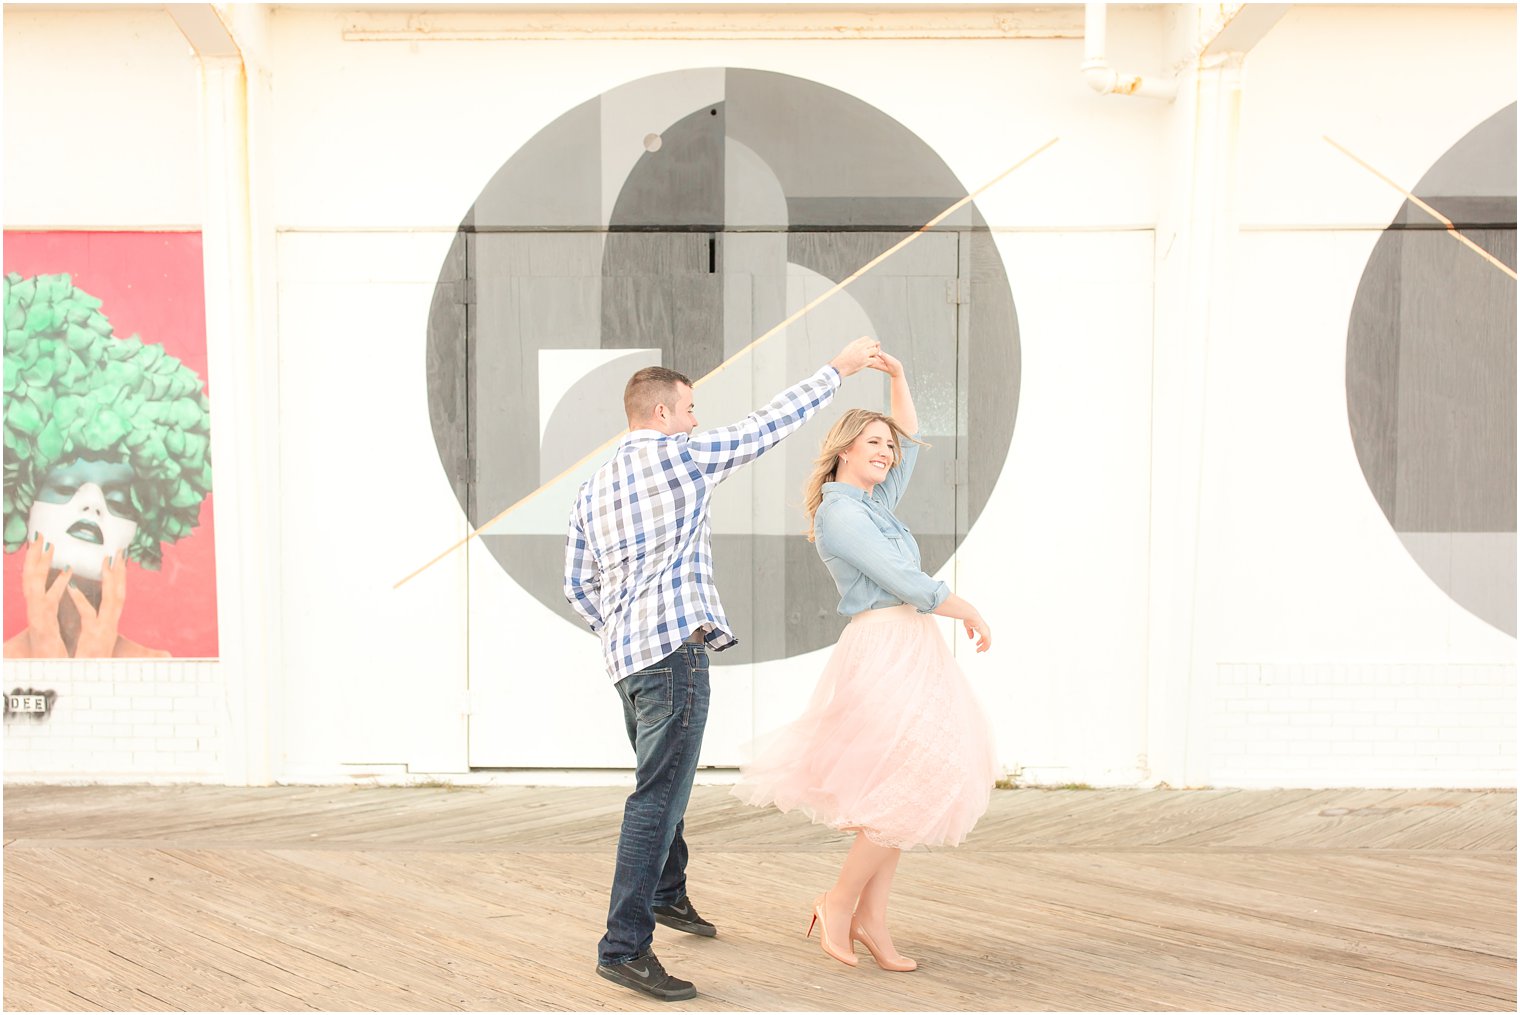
{"x": 837, "y": 287}
{"x": 1450, "y": 227}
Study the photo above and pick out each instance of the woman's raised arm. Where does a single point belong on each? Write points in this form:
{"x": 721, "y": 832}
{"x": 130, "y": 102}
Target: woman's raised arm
{"x": 902, "y": 399}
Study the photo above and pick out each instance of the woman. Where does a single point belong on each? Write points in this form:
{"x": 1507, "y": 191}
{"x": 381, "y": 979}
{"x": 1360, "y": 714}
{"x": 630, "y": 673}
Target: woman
{"x": 893, "y": 744}
{"x": 107, "y": 457}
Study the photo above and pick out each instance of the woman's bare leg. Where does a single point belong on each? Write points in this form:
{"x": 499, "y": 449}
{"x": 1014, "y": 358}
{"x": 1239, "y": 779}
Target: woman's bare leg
{"x": 860, "y": 866}
{"x": 871, "y": 910}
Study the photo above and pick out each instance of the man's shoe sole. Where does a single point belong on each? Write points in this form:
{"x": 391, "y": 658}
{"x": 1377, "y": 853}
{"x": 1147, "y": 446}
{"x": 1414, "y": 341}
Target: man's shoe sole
{"x": 663, "y": 995}
{"x": 691, "y": 928}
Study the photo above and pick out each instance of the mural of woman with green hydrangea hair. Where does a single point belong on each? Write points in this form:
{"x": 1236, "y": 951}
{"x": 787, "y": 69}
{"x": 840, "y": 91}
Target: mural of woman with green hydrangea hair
{"x": 107, "y": 458}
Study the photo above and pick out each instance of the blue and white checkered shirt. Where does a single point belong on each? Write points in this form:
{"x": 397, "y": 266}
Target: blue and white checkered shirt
{"x": 638, "y": 559}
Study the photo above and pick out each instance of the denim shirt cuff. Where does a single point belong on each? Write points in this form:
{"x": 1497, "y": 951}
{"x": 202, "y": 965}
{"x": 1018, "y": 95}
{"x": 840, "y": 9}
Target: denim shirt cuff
{"x": 941, "y": 593}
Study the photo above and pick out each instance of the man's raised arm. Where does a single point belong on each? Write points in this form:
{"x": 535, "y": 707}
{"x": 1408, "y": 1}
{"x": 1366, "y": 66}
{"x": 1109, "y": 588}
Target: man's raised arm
{"x": 719, "y": 452}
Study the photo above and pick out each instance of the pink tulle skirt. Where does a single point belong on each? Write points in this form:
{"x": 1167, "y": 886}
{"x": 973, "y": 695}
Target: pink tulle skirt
{"x": 893, "y": 741}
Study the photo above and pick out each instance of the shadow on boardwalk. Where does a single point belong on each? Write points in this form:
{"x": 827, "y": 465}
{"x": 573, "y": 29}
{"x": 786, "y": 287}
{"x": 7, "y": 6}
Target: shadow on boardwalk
{"x": 306, "y": 898}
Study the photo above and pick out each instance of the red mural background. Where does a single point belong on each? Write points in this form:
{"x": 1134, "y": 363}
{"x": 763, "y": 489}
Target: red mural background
{"x": 150, "y": 285}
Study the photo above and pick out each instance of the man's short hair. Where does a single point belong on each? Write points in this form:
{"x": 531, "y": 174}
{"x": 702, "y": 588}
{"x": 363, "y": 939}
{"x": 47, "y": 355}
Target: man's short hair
{"x": 650, "y": 387}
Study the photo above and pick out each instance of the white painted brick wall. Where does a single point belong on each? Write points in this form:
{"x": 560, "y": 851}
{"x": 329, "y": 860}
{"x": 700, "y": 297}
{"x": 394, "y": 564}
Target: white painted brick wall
{"x": 1371, "y": 724}
{"x": 158, "y": 720}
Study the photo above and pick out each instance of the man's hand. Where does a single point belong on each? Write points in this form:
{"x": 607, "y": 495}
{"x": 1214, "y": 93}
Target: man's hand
{"x": 856, "y": 356}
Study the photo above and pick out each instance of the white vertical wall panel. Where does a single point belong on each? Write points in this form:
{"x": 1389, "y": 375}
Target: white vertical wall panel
{"x": 540, "y": 695}
{"x": 374, "y": 675}
{"x": 1301, "y": 561}
{"x": 1301, "y": 571}
{"x": 1057, "y": 563}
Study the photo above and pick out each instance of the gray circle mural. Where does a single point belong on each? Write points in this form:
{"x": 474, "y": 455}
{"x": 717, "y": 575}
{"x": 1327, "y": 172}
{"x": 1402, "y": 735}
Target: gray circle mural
{"x": 671, "y": 221}
{"x": 1430, "y": 375}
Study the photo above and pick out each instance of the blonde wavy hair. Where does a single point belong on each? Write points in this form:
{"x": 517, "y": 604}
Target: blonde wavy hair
{"x": 841, "y": 435}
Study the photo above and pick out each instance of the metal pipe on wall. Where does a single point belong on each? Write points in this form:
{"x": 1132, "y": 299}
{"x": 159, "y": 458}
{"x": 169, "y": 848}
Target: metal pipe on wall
{"x": 1102, "y": 77}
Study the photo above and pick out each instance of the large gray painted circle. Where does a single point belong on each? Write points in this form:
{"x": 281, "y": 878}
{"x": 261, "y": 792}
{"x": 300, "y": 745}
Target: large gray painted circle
{"x": 594, "y": 251}
{"x": 1430, "y": 374}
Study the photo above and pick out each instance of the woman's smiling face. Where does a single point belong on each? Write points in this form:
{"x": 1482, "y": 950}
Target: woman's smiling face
{"x": 84, "y": 509}
{"x": 867, "y": 461}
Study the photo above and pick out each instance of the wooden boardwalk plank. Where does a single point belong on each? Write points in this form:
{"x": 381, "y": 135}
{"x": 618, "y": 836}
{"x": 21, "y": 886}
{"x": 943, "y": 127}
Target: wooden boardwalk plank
{"x": 335, "y": 898}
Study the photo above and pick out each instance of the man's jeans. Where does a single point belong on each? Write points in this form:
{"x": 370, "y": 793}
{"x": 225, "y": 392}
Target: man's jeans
{"x": 665, "y": 710}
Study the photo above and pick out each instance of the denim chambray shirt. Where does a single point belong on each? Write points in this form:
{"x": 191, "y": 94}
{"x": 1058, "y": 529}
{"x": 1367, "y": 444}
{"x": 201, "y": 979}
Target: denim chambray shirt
{"x": 872, "y": 556}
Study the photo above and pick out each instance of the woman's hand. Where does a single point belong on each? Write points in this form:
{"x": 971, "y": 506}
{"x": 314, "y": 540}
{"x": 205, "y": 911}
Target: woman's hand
{"x": 97, "y": 628}
{"x": 977, "y": 628}
{"x": 958, "y": 609}
{"x": 42, "y": 600}
{"x": 902, "y": 400}
{"x": 887, "y": 364}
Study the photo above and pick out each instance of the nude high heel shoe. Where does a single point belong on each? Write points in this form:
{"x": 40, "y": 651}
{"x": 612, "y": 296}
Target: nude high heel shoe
{"x": 848, "y": 958}
{"x": 895, "y": 963}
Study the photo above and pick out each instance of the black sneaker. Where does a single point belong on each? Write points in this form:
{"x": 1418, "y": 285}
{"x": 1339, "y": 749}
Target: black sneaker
{"x": 683, "y": 916}
{"x": 645, "y": 974}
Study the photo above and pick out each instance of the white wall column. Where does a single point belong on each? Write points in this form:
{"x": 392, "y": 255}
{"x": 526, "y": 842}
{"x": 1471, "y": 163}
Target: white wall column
{"x": 1194, "y": 243}
{"x": 242, "y": 359}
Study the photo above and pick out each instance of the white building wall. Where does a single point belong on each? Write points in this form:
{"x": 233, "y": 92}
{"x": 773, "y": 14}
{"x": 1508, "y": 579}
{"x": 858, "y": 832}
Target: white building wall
{"x": 103, "y": 132}
{"x": 125, "y": 721}
{"x": 102, "y": 121}
{"x": 1189, "y": 584}
{"x": 365, "y": 219}
{"x": 1323, "y": 654}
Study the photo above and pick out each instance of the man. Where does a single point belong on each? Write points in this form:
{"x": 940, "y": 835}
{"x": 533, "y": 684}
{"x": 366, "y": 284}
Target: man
{"x": 638, "y": 567}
